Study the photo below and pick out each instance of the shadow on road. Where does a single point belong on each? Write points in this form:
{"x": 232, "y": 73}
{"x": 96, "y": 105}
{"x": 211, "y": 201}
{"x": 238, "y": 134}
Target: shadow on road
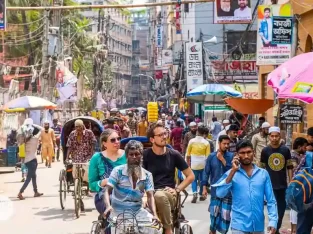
{"x": 65, "y": 215}
{"x": 31, "y": 197}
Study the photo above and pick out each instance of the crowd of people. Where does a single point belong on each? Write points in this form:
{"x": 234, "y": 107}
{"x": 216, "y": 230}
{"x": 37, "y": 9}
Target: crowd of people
{"x": 242, "y": 175}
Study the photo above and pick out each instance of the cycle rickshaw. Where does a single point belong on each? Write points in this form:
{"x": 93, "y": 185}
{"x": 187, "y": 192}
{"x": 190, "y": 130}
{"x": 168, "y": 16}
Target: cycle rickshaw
{"x": 126, "y": 223}
{"x": 65, "y": 177}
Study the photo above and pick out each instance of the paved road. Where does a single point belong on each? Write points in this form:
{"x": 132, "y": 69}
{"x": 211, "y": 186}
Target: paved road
{"x": 44, "y": 215}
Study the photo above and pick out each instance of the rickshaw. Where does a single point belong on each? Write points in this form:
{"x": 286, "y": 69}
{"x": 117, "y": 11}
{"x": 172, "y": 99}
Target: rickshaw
{"x": 65, "y": 177}
{"x": 130, "y": 225}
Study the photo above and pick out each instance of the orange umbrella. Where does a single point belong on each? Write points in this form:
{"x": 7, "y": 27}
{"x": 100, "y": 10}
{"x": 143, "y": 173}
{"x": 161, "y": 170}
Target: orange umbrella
{"x": 250, "y": 106}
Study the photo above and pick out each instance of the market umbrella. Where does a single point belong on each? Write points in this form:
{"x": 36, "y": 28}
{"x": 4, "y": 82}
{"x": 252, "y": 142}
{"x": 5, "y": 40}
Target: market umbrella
{"x": 214, "y": 93}
{"x": 293, "y": 79}
{"x": 250, "y": 106}
{"x": 30, "y": 103}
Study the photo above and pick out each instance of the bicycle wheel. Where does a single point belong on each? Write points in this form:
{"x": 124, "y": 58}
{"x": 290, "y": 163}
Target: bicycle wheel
{"x": 62, "y": 188}
{"x": 77, "y": 197}
{"x": 96, "y": 228}
{"x": 186, "y": 229}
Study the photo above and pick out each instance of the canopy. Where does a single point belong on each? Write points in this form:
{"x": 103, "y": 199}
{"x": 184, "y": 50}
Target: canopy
{"x": 29, "y": 103}
{"x": 250, "y": 106}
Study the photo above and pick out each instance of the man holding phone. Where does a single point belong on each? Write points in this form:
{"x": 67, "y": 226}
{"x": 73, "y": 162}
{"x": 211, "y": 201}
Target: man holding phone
{"x": 248, "y": 185}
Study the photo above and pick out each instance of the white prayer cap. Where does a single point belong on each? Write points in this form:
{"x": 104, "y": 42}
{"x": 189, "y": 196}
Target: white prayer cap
{"x": 226, "y": 121}
{"x": 28, "y": 121}
{"x": 192, "y": 124}
{"x": 274, "y": 129}
{"x": 46, "y": 122}
{"x": 266, "y": 125}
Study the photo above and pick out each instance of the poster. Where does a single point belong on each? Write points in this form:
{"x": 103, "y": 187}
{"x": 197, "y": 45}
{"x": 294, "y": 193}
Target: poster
{"x": 291, "y": 114}
{"x": 274, "y": 38}
{"x": 167, "y": 57}
{"x": 232, "y": 12}
{"x": 159, "y": 36}
{"x": 194, "y": 65}
{"x": 2, "y": 15}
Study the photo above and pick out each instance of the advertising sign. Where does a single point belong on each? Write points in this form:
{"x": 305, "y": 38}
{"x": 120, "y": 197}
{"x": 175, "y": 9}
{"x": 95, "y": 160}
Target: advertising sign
{"x": 291, "y": 114}
{"x": 167, "y": 57}
{"x": 2, "y": 15}
{"x": 274, "y": 34}
{"x": 194, "y": 68}
{"x": 144, "y": 65}
{"x": 159, "y": 36}
{"x": 232, "y": 12}
{"x": 177, "y": 18}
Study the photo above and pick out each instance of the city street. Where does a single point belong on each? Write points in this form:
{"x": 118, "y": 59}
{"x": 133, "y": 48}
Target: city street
{"x": 44, "y": 215}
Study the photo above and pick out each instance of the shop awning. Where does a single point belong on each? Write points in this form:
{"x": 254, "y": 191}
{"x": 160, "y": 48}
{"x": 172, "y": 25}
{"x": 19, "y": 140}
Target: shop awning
{"x": 250, "y": 106}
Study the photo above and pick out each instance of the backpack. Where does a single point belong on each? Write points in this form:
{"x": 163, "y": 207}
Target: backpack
{"x": 299, "y": 194}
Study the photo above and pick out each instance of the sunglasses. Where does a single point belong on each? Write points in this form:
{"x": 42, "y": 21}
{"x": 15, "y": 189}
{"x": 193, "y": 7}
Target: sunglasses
{"x": 163, "y": 134}
{"x": 114, "y": 140}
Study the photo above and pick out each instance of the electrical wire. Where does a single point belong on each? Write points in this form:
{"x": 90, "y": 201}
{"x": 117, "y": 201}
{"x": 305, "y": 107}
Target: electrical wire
{"x": 18, "y": 44}
{"x": 32, "y": 22}
{"x": 25, "y": 39}
{"x": 25, "y": 35}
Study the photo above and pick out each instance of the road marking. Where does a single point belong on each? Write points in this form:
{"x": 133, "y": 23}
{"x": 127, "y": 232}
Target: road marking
{"x": 6, "y": 208}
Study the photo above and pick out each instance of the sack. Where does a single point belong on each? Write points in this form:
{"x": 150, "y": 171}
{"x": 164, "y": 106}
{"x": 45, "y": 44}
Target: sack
{"x": 299, "y": 194}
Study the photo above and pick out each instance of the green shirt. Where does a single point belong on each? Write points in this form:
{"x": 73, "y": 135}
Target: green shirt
{"x": 97, "y": 170}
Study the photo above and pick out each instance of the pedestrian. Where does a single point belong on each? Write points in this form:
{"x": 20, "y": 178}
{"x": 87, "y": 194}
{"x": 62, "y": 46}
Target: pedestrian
{"x": 248, "y": 185}
{"x": 125, "y": 131}
{"x": 57, "y": 128}
{"x": 48, "y": 143}
{"x": 276, "y": 159}
{"x": 30, "y": 137}
{"x": 232, "y": 132}
{"x": 177, "y": 136}
{"x": 189, "y": 135}
{"x": 142, "y": 127}
{"x": 226, "y": 125}
{"x": 260, "y": 141}
{"x": 197, "y": 151}
{"x": 216, "y": 128}
{"x": 206, "y": 136}
{"x": 216, "y": 165}
{"x": 298, "y": 161}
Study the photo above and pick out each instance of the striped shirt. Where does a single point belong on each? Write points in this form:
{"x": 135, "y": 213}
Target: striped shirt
{"x": 123, "y": 195}
{"x": 198, "y": 149}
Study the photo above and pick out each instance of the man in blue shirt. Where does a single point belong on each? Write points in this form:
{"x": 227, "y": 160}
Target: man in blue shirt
{"x": 248, "y": 185}
{"x": 216, "y": 165}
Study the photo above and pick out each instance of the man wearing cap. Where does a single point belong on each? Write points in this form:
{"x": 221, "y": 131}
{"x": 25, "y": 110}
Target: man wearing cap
{"x": 259, "y": 141}
{"x": 189, "y": 135}
{"x": 276, "y": 159}
{"x": 226, "y": 124}
{"x": 232, "y": 133}
{"x": 216, "y": 128}
{"x": 48, "y": 143}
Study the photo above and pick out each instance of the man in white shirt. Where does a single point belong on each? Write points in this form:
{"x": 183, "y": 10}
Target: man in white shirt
{"x": 243, "y": 11}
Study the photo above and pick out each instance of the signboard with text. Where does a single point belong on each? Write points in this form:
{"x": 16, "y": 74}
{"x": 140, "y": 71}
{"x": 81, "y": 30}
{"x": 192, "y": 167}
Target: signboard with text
{"x": 291, "y": 114}
{"x": 159, "y": 36}
{"x": 194, "y": 65}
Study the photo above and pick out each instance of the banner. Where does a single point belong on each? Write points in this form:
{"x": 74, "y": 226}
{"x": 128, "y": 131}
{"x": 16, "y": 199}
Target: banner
{"x": 232, "y": 12}
{"x": 177, "y": 18}
{"x": 159, "y": 36}
{"x": 194, "y": 67}
{"x": 2, "y": 15}
{"x": 274, "y": 34}
{"x": 178, "y": 48}
{"x": 167, "y": 57}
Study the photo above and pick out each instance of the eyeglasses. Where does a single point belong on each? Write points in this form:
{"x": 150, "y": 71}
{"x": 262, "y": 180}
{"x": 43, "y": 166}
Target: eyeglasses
{"x": 114, "y": 140}
{"x": 163, "y": 134}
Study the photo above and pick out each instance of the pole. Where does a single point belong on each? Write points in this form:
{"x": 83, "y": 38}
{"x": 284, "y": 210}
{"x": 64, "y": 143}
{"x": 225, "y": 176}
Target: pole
{"x": 45, "y": 64}
{"x": 294, "y": 48}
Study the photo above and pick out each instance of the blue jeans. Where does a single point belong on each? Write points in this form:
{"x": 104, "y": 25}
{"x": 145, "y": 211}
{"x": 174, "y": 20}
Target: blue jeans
{"x": 31, "y": 175}
{"x": 197, "y": 181}
{"x": 305, "y": 221}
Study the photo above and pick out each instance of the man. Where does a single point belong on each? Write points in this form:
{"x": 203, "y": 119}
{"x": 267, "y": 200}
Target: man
{"x": 276, "y": 159}
{"x": 57, "y": 128}
{"x": 260, "y": 141}
{"x": 162, "y": 163}
{"x": 298, "y": 161}
{"x": 142, "y": 126}
{"x": 197, "y": 151}
{"x": 176, "y": 137}
{"x": 169, "y": 123}
{"x": 135, "y": 181}
{"x": 216, "y": 165}
{"x": 266, "y": 29}
{"x": 225, "y": 9}
{"x": 310, "y": 139}
{"x": 132, "y": 124}
{"x": 261, "y": 121}
{"x": 12, "y": 138}
{"x": 248, "y": 185}
{"x": 216, "y": 128}
{"x": 29, "y": 135}
{"x": 226, "y": 124}
{"x": 206, "y": 135}
{"x": 110, "y": 123}
{"x": 80, "y": 146}
{"x": 125, "y": 131}
{"x": 189, "y": 135}
{"x": 233, "y": 134}
{"x": 243, "y": 11}
{"x": 48, "y": 143}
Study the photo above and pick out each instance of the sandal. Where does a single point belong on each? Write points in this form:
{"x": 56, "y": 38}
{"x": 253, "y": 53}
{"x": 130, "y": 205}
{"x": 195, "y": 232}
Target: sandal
{"x": 20, "y": 196}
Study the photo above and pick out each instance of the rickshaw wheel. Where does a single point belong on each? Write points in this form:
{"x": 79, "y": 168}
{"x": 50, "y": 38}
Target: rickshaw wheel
{"x": 77, "y": 197}
{"x": 62, "y": 188}
{"x": 96, "y": 228}
{"x": 186, "y": 229}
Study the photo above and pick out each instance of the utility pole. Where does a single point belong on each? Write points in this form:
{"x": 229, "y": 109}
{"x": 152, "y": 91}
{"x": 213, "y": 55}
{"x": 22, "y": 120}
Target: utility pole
{"x": 44, "y": 76}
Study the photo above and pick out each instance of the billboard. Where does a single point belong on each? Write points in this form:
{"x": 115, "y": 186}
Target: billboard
{"x": 232, "y": 12}
{"x": 2, "y": 15}
{"x": 167, "y": 57}
{"x": 275, "y": 26}
{"x": 178, "y": 48}
{"x": 159, "y": 36}
{"x": 194, "y": 65}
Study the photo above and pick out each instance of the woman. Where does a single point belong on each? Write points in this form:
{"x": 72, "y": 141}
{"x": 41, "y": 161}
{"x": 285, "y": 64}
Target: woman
{"x": 102, "y": 163}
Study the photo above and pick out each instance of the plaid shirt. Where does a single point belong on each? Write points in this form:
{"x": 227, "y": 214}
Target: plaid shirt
{"x": 132, "y": 124}
{"x": 298, "y": 161}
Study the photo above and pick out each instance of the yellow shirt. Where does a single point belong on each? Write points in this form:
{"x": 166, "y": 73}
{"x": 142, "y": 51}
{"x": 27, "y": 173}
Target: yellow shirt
{"x": 142, "y": 128}
{"x": 47, "y": 138}
{"x": 198, "y": 149}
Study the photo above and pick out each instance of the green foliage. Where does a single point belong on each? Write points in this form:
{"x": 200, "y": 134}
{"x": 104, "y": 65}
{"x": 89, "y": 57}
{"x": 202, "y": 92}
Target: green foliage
{"x": 85, "y": 104}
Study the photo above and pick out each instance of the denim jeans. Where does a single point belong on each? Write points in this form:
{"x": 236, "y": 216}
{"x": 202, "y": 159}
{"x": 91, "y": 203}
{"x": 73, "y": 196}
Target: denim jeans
{"x": 305, "y": 221}
{"x": 31, "y": 175}
{"x": 197, "y": 181}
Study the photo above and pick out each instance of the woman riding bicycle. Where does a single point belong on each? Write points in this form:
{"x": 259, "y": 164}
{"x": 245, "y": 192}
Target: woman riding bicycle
{"x": 102, "y": 163}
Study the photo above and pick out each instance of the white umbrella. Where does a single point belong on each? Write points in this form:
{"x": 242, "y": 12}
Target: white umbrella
{"x": 30, "y": 103}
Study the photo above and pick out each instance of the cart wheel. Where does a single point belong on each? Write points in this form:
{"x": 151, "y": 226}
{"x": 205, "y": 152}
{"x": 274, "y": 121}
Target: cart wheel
{"x": 186, "y": 229}
{"x": 62, "y": 188}
{"x": 96, "y": 228}
{"x": 77, "y": 197}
